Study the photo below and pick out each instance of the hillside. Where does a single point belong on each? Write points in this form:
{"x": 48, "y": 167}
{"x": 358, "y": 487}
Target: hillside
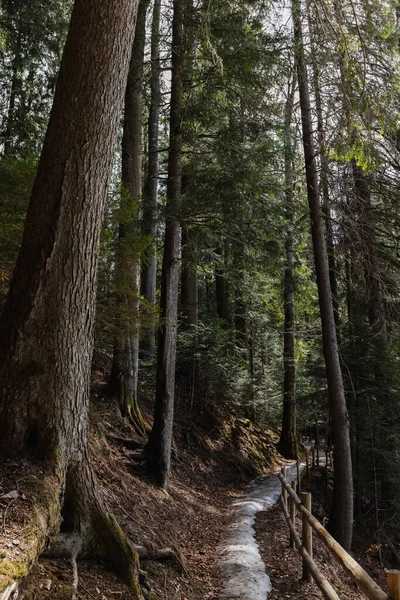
{"x": 214, "y": 459}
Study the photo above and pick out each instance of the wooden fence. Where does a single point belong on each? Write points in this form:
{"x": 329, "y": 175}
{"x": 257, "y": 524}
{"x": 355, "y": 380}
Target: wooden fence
{"x": 291, "y": 502}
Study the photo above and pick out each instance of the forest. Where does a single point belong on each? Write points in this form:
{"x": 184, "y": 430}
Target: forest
{"x": 199, "y": 283}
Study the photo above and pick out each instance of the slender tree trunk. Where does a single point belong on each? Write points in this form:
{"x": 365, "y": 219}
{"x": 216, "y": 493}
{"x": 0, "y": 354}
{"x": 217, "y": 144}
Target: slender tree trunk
{"x": 158, "y": 448}
{"x": 189, "y": 286}
{"x": 341, "y": 520}
{"x": 287, "y": 445}
{"x": 46, "y": 338}
{"x": 240, "y": 302}
{"x": 149, "y": 225}
{"x": 221, "y": 289}
{"x": 125, "y": 368}
{"x": 324, "y": 182}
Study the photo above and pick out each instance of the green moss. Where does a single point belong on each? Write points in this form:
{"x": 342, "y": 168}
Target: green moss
{"x": 124, "y": 556}
{"x": 13, "y": 570}
{"x": 3, "y": 554}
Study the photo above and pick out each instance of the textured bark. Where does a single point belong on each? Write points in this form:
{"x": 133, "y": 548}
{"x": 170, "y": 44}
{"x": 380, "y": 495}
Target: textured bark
{"x": 189, "y": 283}
{"x": 46, "y": 338}
{"x": 158, "y": 448}
{"x": 125, "y": 368}
{"x": 149, "y": 225}
{"x": 287, "y": 444}
{"x": 341, "y": 520}
{"x": 189, "y": 287}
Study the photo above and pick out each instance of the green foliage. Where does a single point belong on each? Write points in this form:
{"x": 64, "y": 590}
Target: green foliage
{"x": 16, "y": 180}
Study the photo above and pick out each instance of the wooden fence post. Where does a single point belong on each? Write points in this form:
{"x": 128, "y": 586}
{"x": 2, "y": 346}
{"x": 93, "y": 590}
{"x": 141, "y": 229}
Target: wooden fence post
{"x": 298, "y": 474}
{"x": 284, "y": 492}
{"x": 393, "y": 578}
{"x": 293, "y": 516}
{"x": 307, "y": 534}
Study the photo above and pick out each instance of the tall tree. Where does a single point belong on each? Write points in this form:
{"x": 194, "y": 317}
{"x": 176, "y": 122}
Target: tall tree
{"x": 158, "y": 448}
{"x": 287, "y": 445}
{"x": 149, "y": 225}
{"x": 46, "y": 327}
{"x": 341, "y": 520}
{"x": 125, "y": 368}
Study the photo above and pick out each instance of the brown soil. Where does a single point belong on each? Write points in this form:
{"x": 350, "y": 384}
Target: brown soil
{"x": 213, "y": 460}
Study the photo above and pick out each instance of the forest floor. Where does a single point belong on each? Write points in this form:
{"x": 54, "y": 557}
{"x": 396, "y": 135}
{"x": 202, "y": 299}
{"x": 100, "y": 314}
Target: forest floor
{"x": 213, "y": 462}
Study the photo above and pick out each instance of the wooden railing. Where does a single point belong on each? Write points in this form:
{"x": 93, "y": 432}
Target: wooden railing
{"x": 304, "y": 546}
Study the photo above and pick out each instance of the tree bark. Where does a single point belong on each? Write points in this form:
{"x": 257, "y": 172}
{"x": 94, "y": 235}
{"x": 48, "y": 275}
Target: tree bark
{"x": 158, "y": 448}
{"x": 341, "y": 520}
{"x": 46, "y": 338}
{"x": 287, "y": 444}
{"x": 189, "y": 287}
{"x": 125, "y": 368}
{"x": 324, "y": 183}
{"x": 149, "y": 225}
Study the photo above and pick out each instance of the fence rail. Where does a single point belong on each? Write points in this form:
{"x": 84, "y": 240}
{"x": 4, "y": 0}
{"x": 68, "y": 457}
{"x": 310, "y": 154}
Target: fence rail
{"x": 366, "y": 584}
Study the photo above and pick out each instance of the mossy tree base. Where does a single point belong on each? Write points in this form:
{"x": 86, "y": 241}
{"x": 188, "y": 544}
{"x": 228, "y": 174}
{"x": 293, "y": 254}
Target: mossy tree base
{"x": 91, "y": 530}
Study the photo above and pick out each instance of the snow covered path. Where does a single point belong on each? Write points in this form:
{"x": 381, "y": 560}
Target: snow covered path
{"x": 238, "y": 559}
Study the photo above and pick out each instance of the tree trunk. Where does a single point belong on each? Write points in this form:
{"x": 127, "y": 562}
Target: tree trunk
{"x": 287, "y": 445}
{"x": 189, "y": 291}
{"x": 221, "y": 289}
{"x": 341, "y": 521}
{"x": 362, "y": 191}
{"x": 125, "y": 368}
{"x": 158, "y": 448}
{"x": 149, "y": 225}
{"x": 46, "y": 338}
{"x": 324, "y": 183}
{"x": 241, "y": 328}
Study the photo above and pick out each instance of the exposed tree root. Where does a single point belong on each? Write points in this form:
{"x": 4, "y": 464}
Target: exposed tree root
{"x": 89, "y": 528}
{"x": 130, "y": 444}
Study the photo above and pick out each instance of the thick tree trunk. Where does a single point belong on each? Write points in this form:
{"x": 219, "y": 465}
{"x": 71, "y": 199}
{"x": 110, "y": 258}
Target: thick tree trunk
{"x": 149, "y": 225}
{"x": 158, "y": 448}
{"x": 341, "y": 521}
{"x": 125, "y": 368}
{"x": 46, "y": 338}
{"x": 287, "y": 445}
{"x": 189, "y": 287}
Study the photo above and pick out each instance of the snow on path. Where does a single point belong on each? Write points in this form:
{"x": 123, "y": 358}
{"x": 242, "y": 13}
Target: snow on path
{"x": 238, "y": 559}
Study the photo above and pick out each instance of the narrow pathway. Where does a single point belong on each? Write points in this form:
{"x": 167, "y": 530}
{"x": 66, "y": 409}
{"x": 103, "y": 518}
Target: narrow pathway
{"x": 238, "y": 561}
